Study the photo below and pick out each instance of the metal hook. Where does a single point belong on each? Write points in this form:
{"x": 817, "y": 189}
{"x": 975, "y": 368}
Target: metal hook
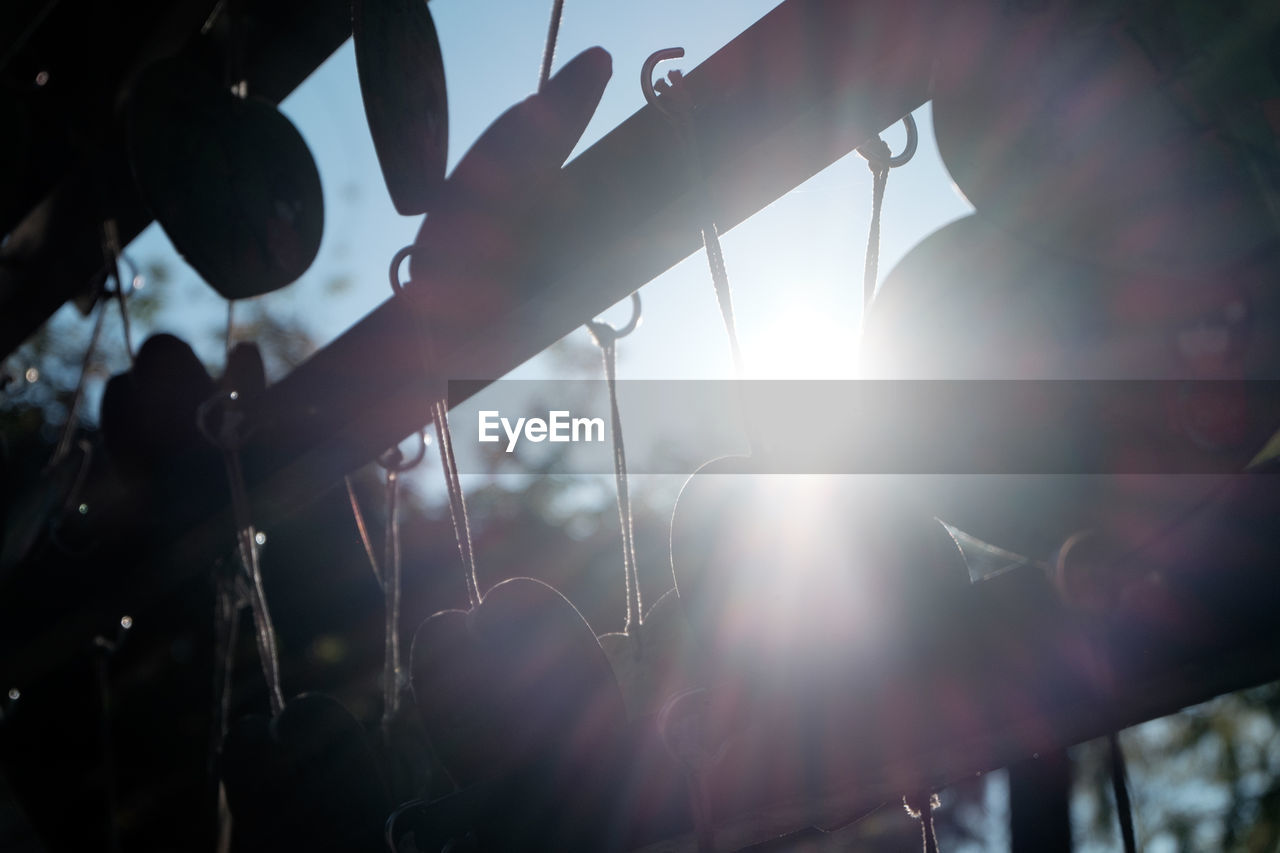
{"x": 393, "y": 460}
{"x": 893, "y": 161}
{"x": 397, "y": 287}
{"x": 225, "y": 435}
{"x": 652, "y": 90}
{"x": 606, "y": 334}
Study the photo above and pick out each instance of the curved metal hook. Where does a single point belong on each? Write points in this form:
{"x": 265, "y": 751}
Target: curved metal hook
{"x": 647, "y": 86}
{"x": 893, "y": 161}
{"x": 606, "y": 334}
{"x": 226, "y": 433}
{"x": 393, "y": 460}
{"x": 397, "y": 287}
{"x": 135, "y": 275}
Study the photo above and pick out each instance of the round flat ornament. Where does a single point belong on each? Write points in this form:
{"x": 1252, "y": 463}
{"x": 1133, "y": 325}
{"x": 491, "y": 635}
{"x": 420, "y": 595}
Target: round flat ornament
{"x": 229, "y": 179}
{"x": 405, "y": 101}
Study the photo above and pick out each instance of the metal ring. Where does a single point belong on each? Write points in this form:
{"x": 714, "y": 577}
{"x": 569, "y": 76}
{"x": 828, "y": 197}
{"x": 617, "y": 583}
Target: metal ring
{"x": 908, "y": 150}
{"x": 605, "y": 334}
{"x": 385, "y": 463}
{"x": 646, "y": 76}
{"x": 396, "y": 286}
{"x": 226, "y": 437}
{"x": 134, "y": 274}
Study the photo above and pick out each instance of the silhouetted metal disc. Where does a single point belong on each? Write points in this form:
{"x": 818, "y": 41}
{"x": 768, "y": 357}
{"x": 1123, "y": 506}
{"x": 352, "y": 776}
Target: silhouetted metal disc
{"x": 472, "y": 234}
{"x": 230, "y": 180}
{"x": 306, "y": 780}
{"x": 1064, "y": 128}
{"x": 405, "y": 100}
{"x": 972, "y": 302}
{"x": 516, "y": 681}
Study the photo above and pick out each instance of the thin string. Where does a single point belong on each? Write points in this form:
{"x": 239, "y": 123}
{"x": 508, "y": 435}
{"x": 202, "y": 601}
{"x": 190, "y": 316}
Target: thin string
{"x": 724, "y": 295}
{"x": 363, "y": 529}
{"x": 227, "y": 438}
{"x": 923, "y": 811}
{"x": 73, "y": 408}
{"x": 391, "y": 674}
{"x": 231, "y": 324}
{"x": 606, "y": 338}
{"x": 226, "y": 628}
{"x": 111, "y": 252}
{"x": 268, "y": 652}
{"x": 679, "y": 110}
{"x": 457, "y": 501}
{"x": 879, "y": 167}
{"x": 1119, "y": 784}
{"x": 440, "y": 417}
{"x": 880, "y": 160}
{"x": 549, "y": 49}
{"x": 111, "y": 242}
{"x": 226, "y": 616}
{"x": 123, "y": 304}
{"x": 102, "y": 659}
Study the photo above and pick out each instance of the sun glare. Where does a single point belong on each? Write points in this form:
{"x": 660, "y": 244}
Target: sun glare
{"x": 803, "y": 342}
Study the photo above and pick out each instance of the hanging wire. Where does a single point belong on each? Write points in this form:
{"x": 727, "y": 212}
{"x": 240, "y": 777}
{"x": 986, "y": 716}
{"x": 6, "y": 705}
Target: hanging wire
{"x": 1120, "y": 786}
{"x": 104, "y": 650}
{"x": 395, "y": 464}
{"x": 880, "y": 160}
{"x": 228, "y": 437}
{"x": 921, "y": 808}
{"x": 549, "y": 49}
{"x": 226, "y": 628}
{"x": 227, "y": 606}
{"x": 440, "y": 417}
{"x": 363, "y": 529}
{"x": 68, "y": 433}
{"x": 671, "y": 98}
{"x": 606, "y": 337}
{"x": 111, "y": 249}
{"x": 231, "y": 327}
{"x": 112, "y": 257}
{"x": 457, "y": 502}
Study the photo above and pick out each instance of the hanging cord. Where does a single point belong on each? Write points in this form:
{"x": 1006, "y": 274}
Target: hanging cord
{"x": 111, "y": 246}
{"x": 549, "y": 49}
{"x": 226, "y": 626}
{"x": 228, "y": 438}
{"x": 231, "y": 326}
{"x": 104, "y": 650}
{"x": 73, "y": 408}
{"x": 671, "y": 98}
{"x": 606, "y": 337}
{"x": 880, "y": 160}
{"x": 363, "y": 529}
{"x": 457, "y": 501}
{"x": 1120, "y": 786}
{"x": 921, "y": 808}
{"x": 111, "y": 253}
{"x": 440, "y": 417}
{"x": 394, "y": 463}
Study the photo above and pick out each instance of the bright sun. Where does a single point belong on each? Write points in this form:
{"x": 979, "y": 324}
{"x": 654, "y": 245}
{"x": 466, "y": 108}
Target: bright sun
{"x": 805, "y": 343}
